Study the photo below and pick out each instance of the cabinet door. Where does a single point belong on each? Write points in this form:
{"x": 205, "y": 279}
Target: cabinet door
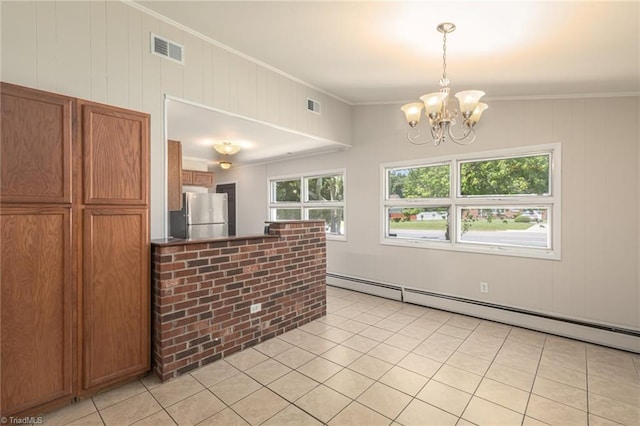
{"x": 187, "y": 177}
{"x": 174, "y": 175}
{"x": 202, "y": 179}
{"x": 35, "y": 152}
{"x": 116, "y": 155}
{"x": 37, "y": 304}
{"x": 116, "y": 297}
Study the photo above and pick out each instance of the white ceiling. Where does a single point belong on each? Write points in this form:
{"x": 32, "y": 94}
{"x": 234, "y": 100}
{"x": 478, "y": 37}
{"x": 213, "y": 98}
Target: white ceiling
{"x": 198, "y": 128}
{"x": 389, "y": 51}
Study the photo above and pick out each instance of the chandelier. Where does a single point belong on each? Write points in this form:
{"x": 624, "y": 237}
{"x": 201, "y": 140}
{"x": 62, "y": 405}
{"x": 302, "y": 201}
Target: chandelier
{"x": 436, "y": 105}
{"x": 226, "y": 147}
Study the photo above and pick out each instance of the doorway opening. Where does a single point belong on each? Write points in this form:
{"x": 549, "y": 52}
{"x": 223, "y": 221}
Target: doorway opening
{"x": 230, "y": 190}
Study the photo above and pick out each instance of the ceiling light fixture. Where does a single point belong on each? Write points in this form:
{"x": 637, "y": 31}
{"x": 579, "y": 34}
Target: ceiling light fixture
{"x": 225, "y": 165}
{"x": 436, "y": 106}
{"x": 226, "y": 147}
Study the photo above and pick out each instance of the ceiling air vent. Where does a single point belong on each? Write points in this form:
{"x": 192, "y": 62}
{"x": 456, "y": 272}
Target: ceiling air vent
{"x": 168, "y": 49}
{"x": 313, "y": 106}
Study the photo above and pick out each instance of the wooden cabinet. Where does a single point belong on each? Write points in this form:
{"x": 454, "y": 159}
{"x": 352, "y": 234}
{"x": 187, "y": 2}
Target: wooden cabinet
{"x": 35, "y": 153}
{"x": 75, "y": 248}
{"x": 177, "y": 176}
{"x": 174, "y": 175}
{"x": 205, "y": 179}
{"x": 115, "y": 155}
{"x": 115, "y": 245}
{"x": 38, "y": 298}
{"x": 198, "y": 178}
{"x": 115, "y": 307}
{"x": 187, "y": 177}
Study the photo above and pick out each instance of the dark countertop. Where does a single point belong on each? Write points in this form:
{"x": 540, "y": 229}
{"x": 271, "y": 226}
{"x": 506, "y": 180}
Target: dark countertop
{"x": 171, "y": 241}
{"x": 186, "y": 241}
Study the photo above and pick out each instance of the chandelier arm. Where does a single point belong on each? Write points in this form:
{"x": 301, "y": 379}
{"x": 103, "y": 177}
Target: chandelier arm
{"x": 464, "y": 139}
{"x": 437, "y": 132}
{"x": 413, "y": 136}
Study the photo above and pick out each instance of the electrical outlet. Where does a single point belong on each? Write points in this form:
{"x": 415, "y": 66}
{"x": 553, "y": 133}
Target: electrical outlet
{"x": 256, "y": 307}
{"x": 484, "y": 287}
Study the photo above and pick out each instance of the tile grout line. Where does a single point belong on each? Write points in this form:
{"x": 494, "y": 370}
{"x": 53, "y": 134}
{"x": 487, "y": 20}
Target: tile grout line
{"x": 535, "y": 376}
{"x": 361, "y": 302}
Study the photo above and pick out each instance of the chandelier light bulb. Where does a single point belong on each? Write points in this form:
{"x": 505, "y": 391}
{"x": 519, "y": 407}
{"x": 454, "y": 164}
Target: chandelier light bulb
{"x": 469, "y": 101}
{"x": 475, "y": 117}
{"x": 412, "y": 112}
{"x": 433, "y": 103}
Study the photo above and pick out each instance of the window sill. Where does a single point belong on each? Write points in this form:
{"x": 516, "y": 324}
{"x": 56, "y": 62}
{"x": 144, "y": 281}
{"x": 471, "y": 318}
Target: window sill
{"x": 545, "y": 254}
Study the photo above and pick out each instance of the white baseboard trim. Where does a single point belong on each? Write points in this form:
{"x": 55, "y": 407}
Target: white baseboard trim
{"x": 376, "y": 289}
{"x": 601, "y": 334}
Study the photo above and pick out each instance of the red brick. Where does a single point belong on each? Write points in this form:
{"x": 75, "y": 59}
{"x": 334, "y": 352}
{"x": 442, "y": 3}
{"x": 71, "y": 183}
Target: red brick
{"x": 165, "y": 267}
{"x": 293, "y": 261}
{"x": 171, "y": 249}
{"x": 185, "y": 256}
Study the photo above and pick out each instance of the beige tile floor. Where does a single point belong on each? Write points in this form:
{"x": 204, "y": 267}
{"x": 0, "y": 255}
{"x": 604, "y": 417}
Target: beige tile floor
{"x": 373, "y": 361}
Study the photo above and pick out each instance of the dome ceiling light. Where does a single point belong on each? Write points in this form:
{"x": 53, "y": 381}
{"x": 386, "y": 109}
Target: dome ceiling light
{"x": 226, "y": 147}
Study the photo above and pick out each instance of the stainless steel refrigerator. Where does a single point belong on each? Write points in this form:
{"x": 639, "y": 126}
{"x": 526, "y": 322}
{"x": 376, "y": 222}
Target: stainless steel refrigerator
{"x": 203, "y": 215}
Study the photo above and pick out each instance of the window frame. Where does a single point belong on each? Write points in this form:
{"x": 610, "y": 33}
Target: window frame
{"x": 457, "y": 202}
{"x": 305, "y": 205}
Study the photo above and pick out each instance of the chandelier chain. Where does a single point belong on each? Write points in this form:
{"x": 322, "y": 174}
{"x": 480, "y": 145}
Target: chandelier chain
{"x": 444, "y": 81}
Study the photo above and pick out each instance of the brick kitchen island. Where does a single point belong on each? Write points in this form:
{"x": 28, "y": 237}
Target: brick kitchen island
{"x": 202, "y": 292}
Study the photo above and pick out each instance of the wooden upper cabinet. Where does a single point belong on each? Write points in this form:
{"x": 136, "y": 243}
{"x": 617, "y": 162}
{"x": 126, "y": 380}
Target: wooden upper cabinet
{"x": 187, "y": 177}
{"x": 203, "y": 179}
{"x": 198, "y": 178}
{"x": 116, "y": 333}
{"x": 174, "y": 175}
{"x": 35, "y": 152}
{"x": 115, "y": 154}
{"x": 36, "y": 307}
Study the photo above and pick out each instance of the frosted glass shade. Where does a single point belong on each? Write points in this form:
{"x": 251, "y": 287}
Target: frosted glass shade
{"x": 225, "y": 165}
{"x": 475, "y": 117}
{"x": 412, "y": 112}
{"x": 433, "y": 102}
{"x": 226, "y": 148}
{"x": 469, "y": 100}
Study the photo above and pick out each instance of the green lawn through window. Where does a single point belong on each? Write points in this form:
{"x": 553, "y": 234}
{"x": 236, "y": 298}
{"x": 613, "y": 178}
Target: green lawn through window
{"x": 479, "y": 225}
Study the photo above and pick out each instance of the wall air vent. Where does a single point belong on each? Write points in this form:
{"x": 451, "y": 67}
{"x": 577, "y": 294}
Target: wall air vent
{"x": 313, "y": 106}
{"x": 168, "y": 49}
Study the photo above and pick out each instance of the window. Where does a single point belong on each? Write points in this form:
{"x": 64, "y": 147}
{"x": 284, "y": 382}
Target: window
{"x": 314, "y": 196}
{"x": 504, "y": 202}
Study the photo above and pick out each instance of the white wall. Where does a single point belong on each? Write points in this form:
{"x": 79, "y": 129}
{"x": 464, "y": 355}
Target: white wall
{"x": 251, "y": 197}
{"x": 100, "y": 51}
{"x": 597, "y": 278}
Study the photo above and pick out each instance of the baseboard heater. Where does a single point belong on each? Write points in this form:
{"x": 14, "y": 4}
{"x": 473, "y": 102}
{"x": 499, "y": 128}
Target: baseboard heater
{"x": 602, "y": 334}
{"x": 388, "y": 291}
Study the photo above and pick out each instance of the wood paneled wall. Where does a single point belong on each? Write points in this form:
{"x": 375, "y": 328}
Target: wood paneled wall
{"x": 100, "y": 51}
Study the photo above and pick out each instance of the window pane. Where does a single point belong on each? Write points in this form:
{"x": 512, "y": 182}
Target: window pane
{"x": 325, "y": 188}
{"x": 286, "y": 214}
{"x": 507, "y": 176}
{"x": 506, "y": 226}
{"x": 334, "y": 218}
{"x": 423, "y": 223}
{"x": 286, "y": 191}
{"x": 419, "y": 182}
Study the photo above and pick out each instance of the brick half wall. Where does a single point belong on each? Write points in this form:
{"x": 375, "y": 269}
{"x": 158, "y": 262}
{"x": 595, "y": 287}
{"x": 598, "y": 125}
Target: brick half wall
{"x": 203, "y": 291}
